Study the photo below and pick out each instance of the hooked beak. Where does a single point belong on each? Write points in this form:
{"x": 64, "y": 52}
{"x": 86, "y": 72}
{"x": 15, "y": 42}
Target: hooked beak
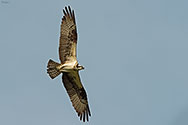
{"x": 83, "y": 67}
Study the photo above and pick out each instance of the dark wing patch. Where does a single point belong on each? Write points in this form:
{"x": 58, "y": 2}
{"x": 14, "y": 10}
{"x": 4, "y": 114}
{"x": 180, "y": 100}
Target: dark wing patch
{"x": 68, "y": 37}
{"x": 77, "y": 94}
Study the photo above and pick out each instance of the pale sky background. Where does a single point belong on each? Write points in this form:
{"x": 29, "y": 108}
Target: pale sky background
{"x": 135, "y": 53}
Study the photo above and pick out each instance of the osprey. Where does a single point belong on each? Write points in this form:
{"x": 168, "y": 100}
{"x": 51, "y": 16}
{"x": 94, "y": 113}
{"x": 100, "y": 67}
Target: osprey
{"x": 69, "y": 66}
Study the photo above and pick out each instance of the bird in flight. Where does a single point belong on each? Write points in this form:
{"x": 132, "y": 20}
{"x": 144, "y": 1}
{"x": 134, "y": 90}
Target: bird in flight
{"x": 69, "y": 65}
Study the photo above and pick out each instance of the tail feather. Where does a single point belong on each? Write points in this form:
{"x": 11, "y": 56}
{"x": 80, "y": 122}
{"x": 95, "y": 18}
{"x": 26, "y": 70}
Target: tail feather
{"x": 52, "y": 70}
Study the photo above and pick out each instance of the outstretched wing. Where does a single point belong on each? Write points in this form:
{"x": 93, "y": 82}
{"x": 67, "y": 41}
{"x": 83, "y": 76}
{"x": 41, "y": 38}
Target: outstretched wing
{"x": 77, "y": 94}
{"x": 68, "y": 37}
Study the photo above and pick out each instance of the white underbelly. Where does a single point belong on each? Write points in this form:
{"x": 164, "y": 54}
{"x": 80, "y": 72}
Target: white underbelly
{"x": 68, "y": 67}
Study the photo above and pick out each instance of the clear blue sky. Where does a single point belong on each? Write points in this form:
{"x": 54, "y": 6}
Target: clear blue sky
{"x": 135, "y": 54}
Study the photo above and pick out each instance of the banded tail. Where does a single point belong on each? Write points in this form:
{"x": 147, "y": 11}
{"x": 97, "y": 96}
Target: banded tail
{"x": 52, "y": 69}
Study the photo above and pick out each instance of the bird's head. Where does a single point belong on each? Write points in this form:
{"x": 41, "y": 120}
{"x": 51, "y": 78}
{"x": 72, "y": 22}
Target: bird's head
{"x": 79, "y": 67}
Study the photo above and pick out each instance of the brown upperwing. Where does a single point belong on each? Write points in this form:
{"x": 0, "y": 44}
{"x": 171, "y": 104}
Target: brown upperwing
{"x": 68, "y": 37}
{"x": 77, "y": 94}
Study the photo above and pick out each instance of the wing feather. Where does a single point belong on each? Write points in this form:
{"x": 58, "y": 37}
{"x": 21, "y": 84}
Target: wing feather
{"x": 68, "y": 37}
{"x": 77, "y": 94}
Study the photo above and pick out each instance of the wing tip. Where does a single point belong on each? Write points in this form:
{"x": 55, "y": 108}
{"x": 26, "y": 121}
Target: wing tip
{"x": 68, "y": 12}
{"x": 68, "y": 15}
{"x": 84, "y": 116}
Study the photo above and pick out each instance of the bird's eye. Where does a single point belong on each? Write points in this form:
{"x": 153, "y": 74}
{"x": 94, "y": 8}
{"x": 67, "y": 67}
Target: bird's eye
{"x": 77, "y": 65}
